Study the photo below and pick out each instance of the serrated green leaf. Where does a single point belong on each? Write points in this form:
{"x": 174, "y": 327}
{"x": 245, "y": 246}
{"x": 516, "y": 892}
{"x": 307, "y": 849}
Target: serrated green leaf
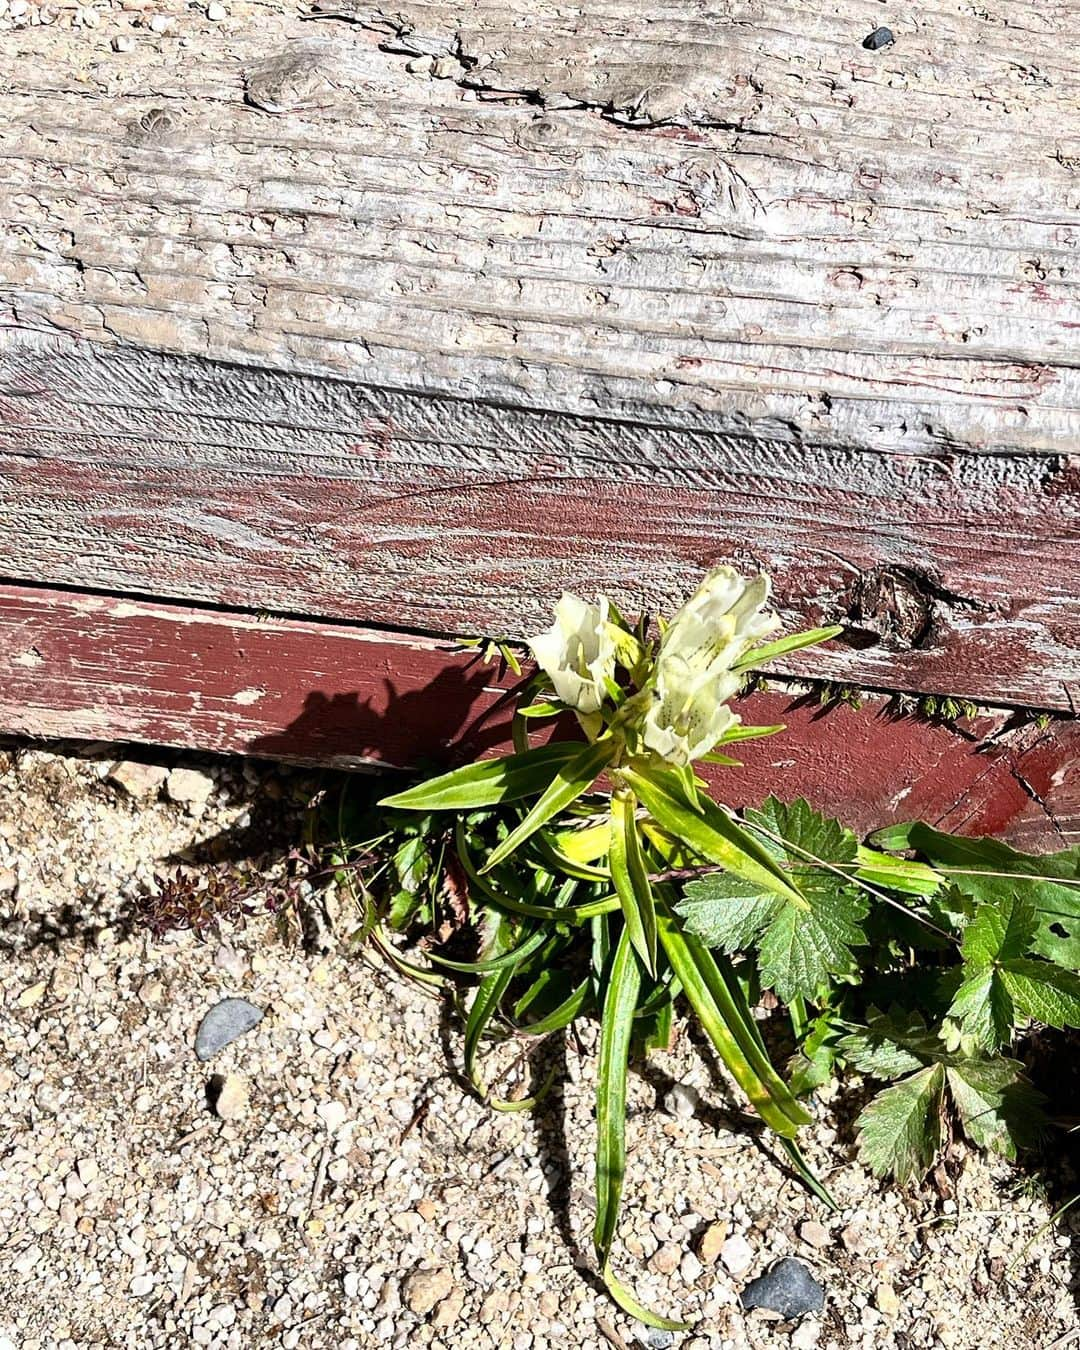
{"x": 1043, "y": 991}
{"x": 988, "y": 869}
{"x": 984, "y": 1009}
{"x": 806, "y": 830}
{"x": 404, "y": 907}
{"x": 900, "y": 1130}
{"x": 950, "y": 908}
{"x": 999, "y": 932}
{"x": 813, "y": 1062}
{"x": 725, "y": 911}
{"x": 1001, "y": 986}
{"x": 998, "y": 1108}
{"x": 874, "y": 1050}
{"x": 799, "y": 951}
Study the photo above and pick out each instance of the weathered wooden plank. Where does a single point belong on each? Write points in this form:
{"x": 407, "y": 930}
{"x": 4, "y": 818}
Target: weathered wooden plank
{"x": 77, "y": 665}
{"x": 877, "y": 249}
{"x": 955, "y": 574}
{"x": 413, "y": 349}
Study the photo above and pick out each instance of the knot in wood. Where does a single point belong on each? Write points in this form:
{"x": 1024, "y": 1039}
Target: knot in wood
{"x": 555, "y": 136}
{"x": 299, "y": 78}
{"x": 154, "y": 127}
{"x": 894, "y": 604}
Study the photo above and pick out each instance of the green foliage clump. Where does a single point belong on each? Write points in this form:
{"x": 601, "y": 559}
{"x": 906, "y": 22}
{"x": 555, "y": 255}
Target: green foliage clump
{"x": 597, "y": 877}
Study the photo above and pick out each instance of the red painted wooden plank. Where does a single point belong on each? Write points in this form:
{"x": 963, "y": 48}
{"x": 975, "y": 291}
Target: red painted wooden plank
{"x": 954, "y": 572}
{"x": 101, "y": 667}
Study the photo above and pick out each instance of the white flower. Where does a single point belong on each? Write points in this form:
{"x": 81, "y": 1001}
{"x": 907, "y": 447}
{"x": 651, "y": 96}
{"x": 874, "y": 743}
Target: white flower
{"x": 577, "y": 653}
{"x": 693, "y": 677}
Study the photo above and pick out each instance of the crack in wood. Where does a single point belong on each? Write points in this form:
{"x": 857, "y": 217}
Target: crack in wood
{"x": 1041, "y": 802}
{"x": 560, "y": 73}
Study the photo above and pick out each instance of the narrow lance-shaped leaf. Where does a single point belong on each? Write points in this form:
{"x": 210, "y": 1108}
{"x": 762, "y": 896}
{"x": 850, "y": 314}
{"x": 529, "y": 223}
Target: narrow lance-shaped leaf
{"x": 496, "y": 963}
{"x": 738, "y": 732}
{"x": 770, "y": 651}
{"x": 571, "y": 780}
{"x": 562, "y": 1015}
{"x": 617, "y": 1019}
{"x": 484, "y": 1005}
{"x": 616, "y": 1032}
{"x": 898, "y": 874}
{"x": 734, "y": 1041}
{"x": 710, "y": 832}
{"x": 489, "y": 782}
{"x": 630, "y": 878}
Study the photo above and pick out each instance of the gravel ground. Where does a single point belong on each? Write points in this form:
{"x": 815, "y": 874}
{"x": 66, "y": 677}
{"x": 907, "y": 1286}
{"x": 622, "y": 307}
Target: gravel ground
{"x": 355, "y": 1195}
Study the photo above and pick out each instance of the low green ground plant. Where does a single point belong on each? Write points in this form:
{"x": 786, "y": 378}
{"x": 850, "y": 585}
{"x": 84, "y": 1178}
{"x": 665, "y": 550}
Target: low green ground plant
{"x": 595, "y": 875}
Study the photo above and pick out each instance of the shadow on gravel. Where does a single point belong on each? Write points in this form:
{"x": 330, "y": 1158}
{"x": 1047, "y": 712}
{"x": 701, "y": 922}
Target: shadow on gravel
{"x": 549, "y": 1131}
{"x": 23, "y": 933}
{"x": 1053, "y": 1064}
{"x": 548, "y": 1122}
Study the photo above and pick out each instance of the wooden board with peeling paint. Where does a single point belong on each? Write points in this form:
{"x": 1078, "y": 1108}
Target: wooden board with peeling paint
{"x": 77, "y": 665}
{"x": 408, "y": 319}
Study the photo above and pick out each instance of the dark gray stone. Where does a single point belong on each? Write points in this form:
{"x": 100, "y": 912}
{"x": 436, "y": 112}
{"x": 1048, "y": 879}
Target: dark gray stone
{"x": 223, "y": 1023}
{"x": 787, "y": 1288}
{"x": 880, "y": 37}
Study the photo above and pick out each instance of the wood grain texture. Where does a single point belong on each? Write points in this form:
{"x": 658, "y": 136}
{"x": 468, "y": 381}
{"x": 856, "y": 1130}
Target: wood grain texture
{"x": 75, "y": 665}
{"x": 876, "y": 249}
{"x": 167, "y": 476}
{"x": 581, "y": 300}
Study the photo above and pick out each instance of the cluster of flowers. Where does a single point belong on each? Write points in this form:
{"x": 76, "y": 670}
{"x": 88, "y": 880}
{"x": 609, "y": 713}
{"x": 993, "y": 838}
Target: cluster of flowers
{"x": 676, "y": 706}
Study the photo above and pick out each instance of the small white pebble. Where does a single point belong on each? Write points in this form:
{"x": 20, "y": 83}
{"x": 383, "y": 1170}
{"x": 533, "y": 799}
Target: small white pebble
{"x": 224, "y": 1315}
{"x": 161, "y": 23}
{"x": 805, "y": 1336}
{"x": 140, "y": 1285}
{"x": 123, "y": 43}
{"x": 682, "y": 1101}
{"x": 215, "y": 12}
{"x": 737, "y": 1254}
{"x": 333, "y": 1115}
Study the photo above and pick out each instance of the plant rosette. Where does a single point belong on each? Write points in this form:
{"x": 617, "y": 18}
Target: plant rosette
{"x": 916, "y": 970}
